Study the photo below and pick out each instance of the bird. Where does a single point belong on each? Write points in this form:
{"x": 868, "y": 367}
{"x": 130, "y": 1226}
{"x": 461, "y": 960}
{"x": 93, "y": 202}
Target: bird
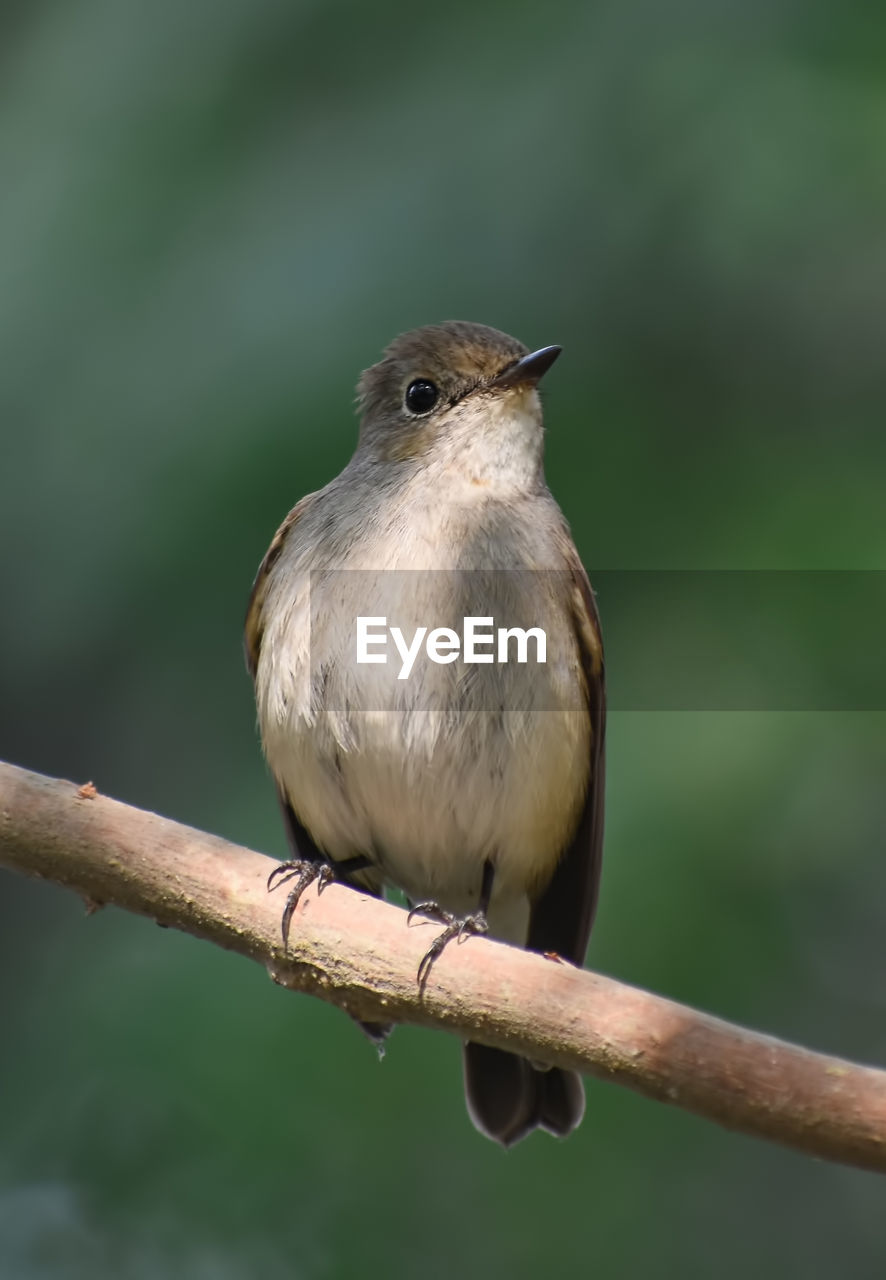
{"x": 474, "y": 787}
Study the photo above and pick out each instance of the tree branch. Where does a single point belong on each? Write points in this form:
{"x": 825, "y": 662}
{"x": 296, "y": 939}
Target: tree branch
{"x": 357, "y": 952}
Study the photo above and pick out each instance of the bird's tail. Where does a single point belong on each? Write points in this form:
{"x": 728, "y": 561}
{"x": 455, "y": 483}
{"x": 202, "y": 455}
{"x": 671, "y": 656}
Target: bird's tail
{"x": 508, "y": 1097}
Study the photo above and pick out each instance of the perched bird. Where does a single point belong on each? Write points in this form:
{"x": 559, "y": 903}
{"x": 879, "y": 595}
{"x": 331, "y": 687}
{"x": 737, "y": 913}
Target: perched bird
{"x": 474, "y": 782}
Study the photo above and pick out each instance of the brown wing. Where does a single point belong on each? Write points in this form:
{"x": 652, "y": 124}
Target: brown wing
{"x": 254, "y": 628}
{"x": 300, "y": 842}
{"x": 561, "y": 919}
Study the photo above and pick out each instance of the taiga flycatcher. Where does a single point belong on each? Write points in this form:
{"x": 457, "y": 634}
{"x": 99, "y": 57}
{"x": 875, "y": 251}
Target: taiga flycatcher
{"x": 474, "y": 783}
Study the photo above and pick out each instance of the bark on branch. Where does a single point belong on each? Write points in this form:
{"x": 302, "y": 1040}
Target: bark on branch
{"x": 357, "y": 952}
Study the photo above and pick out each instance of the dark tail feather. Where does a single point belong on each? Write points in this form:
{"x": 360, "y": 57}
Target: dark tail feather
{"x": 377, "y": 1032}
{"x": 507, "y": 1097}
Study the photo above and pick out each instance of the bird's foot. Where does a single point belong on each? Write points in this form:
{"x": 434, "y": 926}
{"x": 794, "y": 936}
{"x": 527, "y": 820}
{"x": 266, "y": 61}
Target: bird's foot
{"x": 457, "y": 928}
{"x": 300, "y": 873}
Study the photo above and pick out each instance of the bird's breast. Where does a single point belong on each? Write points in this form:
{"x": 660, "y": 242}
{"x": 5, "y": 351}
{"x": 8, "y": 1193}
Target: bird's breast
{"x": 431, "y": 757}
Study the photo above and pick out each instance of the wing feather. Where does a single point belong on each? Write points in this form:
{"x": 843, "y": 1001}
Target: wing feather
{"x": 254, "y": 627}
{"x": 561, "y": 918}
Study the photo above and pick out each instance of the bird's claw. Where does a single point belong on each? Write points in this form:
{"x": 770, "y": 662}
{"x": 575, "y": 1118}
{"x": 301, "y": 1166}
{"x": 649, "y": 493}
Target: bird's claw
{"x": 303, "y": 873}
{"x": 431, "y": 911}
{"x": 457, "y": 928}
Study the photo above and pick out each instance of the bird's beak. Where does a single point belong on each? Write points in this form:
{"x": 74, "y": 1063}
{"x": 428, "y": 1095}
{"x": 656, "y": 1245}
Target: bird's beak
{"x": 528, "y": 370}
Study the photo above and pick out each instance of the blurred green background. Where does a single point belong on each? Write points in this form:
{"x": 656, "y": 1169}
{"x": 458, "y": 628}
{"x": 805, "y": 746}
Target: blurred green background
{"x": 212, "y": 216}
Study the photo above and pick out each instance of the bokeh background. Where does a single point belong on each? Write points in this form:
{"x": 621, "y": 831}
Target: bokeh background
{"x": 212, "y": 216}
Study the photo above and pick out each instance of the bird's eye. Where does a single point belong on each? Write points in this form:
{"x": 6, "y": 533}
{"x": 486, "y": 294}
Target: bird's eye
{"x": 421, "y": 396}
